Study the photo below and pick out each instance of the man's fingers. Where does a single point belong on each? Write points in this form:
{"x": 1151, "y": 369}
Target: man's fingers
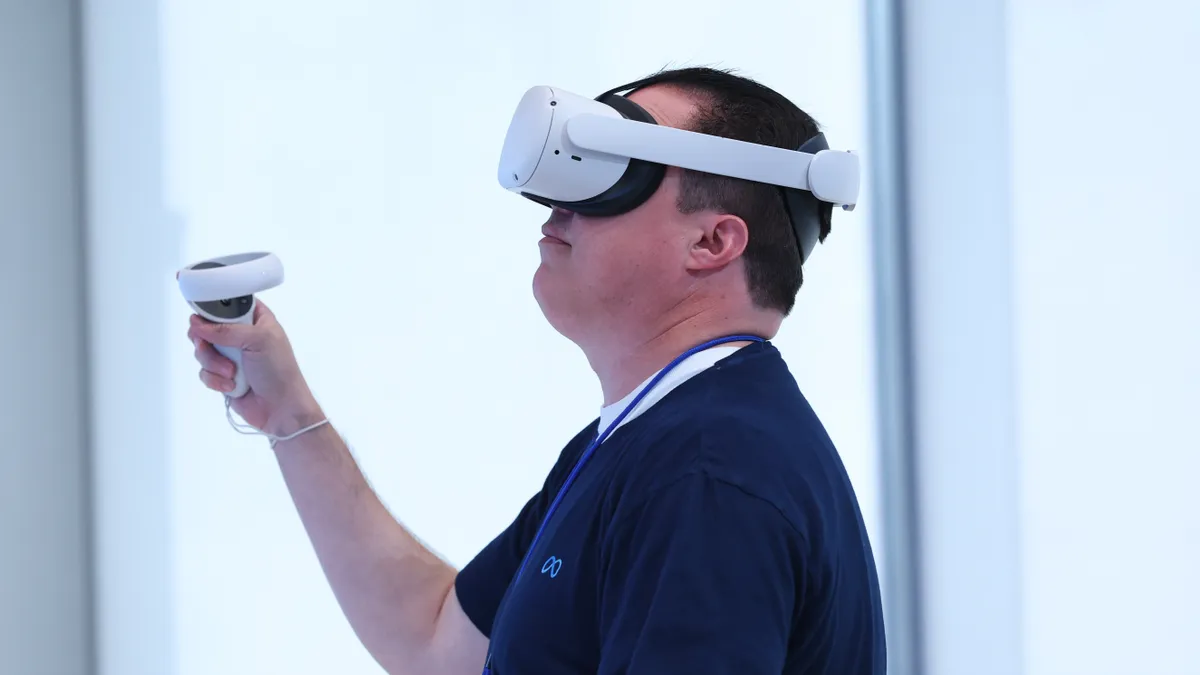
{"x": 252, "y": 337}
{"x": 212, "y": 360}
{"x": 235, "y": 335}
{"x": 216, "y": 382}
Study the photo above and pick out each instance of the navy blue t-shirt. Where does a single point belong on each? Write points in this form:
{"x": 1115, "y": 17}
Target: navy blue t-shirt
{"x": 717, "y": 532}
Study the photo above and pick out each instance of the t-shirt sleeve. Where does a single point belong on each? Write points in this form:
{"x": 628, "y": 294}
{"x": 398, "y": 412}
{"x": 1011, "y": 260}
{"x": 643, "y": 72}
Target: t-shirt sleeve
{"x": 701, "y": 578}
{"x": 482, "y": 583}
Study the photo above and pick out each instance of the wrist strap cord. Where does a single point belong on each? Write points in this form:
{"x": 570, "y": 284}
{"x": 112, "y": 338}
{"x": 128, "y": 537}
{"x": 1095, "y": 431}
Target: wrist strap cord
{"x": 251, "y": 431}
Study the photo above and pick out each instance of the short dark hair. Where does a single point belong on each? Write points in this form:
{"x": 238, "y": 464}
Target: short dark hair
{"x": 737, "y": 107}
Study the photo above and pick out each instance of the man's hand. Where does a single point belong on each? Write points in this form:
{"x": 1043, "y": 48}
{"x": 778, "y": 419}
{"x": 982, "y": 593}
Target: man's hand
{"x": 279, "y": 401}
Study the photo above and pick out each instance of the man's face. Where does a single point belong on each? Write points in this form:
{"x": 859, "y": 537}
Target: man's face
{"x": 621, "y": 272}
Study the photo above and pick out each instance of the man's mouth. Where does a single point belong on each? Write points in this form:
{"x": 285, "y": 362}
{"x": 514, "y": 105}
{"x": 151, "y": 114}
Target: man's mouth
{"x": 551, "y": 236}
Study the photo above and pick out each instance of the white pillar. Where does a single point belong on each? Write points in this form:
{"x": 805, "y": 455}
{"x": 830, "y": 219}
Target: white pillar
{"x": 128, "y": 302}
{"x": 961, "y": 261}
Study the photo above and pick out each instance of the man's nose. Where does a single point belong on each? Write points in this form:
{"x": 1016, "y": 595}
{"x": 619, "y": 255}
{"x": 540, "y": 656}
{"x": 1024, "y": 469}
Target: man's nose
{"x": 560, "y": 216}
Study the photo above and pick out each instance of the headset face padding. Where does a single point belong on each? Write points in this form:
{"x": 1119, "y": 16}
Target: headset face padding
{"x": 640, "y": 180}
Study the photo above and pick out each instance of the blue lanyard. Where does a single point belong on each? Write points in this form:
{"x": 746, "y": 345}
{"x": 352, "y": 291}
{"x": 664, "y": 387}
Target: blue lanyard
{"x": 591, "y": 448}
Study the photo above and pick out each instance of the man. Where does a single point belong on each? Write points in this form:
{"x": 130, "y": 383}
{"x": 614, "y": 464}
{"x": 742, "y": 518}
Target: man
{"x": 712, "y": 530}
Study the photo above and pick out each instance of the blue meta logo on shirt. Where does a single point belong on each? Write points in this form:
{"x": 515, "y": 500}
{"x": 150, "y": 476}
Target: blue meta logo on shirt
{"x": 552, "y": 566}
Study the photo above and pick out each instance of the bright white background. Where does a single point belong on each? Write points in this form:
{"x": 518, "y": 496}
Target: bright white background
{"x": 1107, "y": 333}
{"x": 358, "y": 140}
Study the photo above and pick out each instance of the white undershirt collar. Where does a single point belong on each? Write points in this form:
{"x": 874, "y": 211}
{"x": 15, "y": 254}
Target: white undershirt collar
{"x": 689, "y": 368}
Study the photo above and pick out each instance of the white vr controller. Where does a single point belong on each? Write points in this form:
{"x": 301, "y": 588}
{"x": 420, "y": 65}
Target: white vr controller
{"x": 222, "y": 290}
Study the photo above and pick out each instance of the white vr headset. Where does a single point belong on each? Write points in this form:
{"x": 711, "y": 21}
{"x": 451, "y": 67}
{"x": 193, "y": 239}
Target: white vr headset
{"x": 606, "y": 156}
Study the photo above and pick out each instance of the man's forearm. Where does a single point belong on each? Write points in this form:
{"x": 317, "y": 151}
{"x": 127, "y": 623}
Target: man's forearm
{"x": 389, "y": 585}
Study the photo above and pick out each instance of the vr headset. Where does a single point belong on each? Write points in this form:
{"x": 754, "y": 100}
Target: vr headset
{"x": 606, "y": 156}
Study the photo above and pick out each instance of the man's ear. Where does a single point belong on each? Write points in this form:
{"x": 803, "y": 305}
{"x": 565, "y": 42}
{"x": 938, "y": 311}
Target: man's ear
{"x": 720, "y": 239}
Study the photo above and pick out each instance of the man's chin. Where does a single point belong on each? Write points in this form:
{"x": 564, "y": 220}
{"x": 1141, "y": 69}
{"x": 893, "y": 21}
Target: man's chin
{"x": 551, "y": 299}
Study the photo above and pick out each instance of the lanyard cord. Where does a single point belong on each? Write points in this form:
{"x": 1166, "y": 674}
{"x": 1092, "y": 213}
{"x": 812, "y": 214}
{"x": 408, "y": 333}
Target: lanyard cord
{"x": 591, "y": 449}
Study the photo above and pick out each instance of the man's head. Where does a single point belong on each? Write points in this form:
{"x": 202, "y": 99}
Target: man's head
{"x": 701, "y": 243}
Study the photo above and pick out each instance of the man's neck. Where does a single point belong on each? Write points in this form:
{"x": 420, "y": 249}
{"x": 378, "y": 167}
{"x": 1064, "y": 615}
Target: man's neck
{"x": 621, "y": 368}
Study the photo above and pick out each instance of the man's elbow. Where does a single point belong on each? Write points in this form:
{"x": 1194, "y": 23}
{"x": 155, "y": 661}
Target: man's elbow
{"x": 443, "y": 642}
